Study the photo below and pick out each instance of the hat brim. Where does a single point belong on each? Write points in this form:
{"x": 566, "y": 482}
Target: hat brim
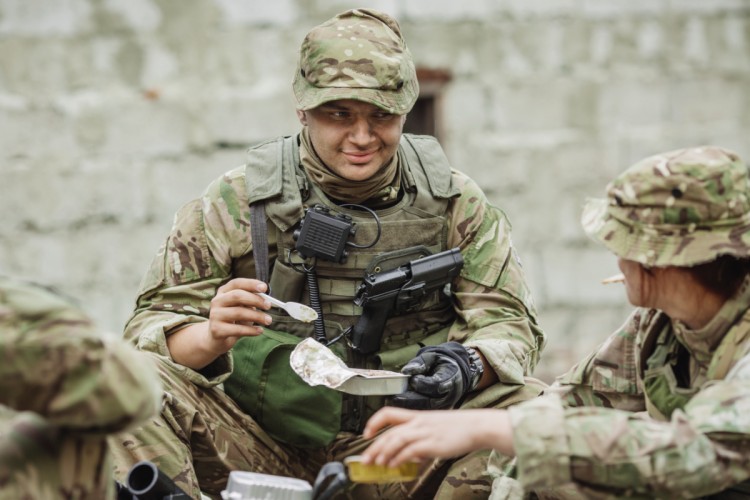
{"x": 676, "y": 246}
{"x": 397, "y": 102}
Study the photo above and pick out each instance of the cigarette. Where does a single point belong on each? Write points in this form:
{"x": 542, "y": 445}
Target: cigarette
{"x": 617, "y": 278}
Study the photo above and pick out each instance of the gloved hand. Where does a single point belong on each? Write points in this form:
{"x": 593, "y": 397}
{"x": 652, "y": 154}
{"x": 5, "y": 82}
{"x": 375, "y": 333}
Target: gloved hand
{"x": 440, "y": 378}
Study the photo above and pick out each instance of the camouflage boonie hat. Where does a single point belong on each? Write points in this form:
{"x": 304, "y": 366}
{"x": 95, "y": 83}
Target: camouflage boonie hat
{"x": 359, "y": 54}
{"x": 680, "y": 208}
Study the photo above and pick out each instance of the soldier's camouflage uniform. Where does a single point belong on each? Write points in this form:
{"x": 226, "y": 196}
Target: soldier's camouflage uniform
{"x": 202, "y": 434}
{"x": 659, "y": 410}
{"x": 64, "y": 385}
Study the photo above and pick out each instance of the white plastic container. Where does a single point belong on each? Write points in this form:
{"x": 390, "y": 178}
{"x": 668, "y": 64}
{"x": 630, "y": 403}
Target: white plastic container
{"x": 255, "y": 486}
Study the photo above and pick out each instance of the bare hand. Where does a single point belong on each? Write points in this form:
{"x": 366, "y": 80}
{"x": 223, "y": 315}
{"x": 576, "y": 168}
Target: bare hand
{"x": 418, "y": 435}
{"x": 236, "y": 311}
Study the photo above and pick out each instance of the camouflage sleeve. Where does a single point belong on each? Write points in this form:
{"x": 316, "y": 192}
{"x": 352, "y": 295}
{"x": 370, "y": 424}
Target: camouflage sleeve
{"x": 607, "y": 377}
{"x": 496, "y": 313}
{"x": 701, "y": 450}
{"x": 58, "y": 365}
{"x": 191, "y": 265}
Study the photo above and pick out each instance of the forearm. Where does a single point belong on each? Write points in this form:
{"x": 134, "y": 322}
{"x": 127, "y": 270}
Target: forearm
{"x": 610, "y": 449}
{"x": 152, "y": 331}
{"x": 188, "y": 346}
{"x": 497, "y": 431}
{"x": 236, "y": 311}
{"x": 419, "y": 435}
{"x": 489, "y": 376}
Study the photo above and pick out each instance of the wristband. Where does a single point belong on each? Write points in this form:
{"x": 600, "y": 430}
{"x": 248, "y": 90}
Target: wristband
{"x": 476, "y": 368}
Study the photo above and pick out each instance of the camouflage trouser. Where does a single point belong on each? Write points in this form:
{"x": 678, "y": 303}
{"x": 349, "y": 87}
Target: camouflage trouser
{"x": 39, "y": 461}
{"x": 201, "y": 436}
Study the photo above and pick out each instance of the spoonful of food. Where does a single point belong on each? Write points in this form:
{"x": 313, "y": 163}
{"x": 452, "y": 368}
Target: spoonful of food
{"x": 295, "y": 310}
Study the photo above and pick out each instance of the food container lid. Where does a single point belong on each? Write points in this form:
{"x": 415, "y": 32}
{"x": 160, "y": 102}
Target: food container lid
{"x": 318, "y": 365}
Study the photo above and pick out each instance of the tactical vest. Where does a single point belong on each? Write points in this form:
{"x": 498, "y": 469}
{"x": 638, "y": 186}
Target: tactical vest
{"x": 413, "y": 227}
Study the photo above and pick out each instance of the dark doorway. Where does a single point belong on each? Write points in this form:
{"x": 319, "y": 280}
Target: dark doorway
{"x": 425, "y": 116}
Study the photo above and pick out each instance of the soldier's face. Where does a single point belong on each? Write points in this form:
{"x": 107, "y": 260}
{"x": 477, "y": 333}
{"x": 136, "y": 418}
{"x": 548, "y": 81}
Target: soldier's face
{"x": 354, "y": 139}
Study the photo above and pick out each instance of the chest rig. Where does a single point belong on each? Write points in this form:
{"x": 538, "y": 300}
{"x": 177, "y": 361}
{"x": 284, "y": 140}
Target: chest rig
{"x": 413, "y": 227}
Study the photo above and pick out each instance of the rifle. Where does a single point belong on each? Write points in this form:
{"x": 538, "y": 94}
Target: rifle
{"x": 399, "y": 290}
{"x": 146, "y": 482}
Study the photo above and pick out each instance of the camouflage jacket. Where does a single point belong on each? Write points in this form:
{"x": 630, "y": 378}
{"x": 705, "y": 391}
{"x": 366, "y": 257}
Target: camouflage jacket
{"x": 494, "y": 309}
{"x": 63, "y": 386}
{"x": 604, "y": 429}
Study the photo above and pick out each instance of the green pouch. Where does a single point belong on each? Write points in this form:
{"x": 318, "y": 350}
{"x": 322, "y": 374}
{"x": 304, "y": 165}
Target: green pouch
{"x": 265, "y": 387}
{"x": 660, "y": 386}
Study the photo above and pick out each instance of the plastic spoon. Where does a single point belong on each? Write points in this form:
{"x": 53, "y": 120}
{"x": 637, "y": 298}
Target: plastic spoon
{"x": 295, "y": 310}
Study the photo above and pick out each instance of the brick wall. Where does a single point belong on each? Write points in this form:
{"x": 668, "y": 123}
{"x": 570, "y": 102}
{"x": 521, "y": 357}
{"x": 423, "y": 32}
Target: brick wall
{"x": 113, "y": 113}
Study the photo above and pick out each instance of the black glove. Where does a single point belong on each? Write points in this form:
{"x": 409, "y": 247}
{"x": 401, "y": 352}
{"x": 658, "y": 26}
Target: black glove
{"x": 441, "y": 376}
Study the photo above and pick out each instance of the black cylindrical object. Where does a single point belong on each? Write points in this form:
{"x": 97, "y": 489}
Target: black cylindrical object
{"x": 146, "y": 482}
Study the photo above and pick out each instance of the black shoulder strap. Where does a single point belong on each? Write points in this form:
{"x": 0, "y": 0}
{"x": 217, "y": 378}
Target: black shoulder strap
{"x": 259, "y": 235}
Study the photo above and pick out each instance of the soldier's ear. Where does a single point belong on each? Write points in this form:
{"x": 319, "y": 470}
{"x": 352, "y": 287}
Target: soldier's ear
{"x": 302, "y": 117}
